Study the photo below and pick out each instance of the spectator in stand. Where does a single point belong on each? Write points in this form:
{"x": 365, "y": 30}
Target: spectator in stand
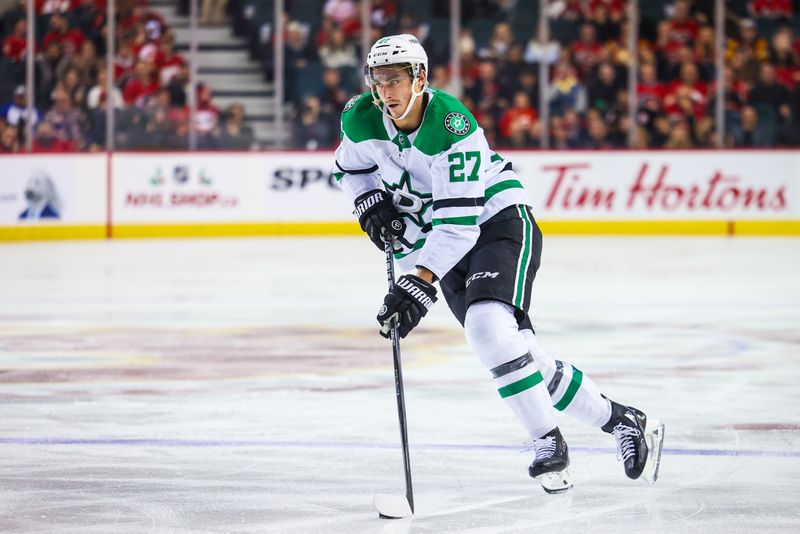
{"x": 704, "y": 52}
{"x": 178, "y": 86}
{"x": 648, "y": 86}
{"x": 750, "y": 133}
{"x": 50, "y": 67}
{"x": 679, "y": 136}
{"x": 704, "y": 132}
{"x": 206, "y": 117}
{"x": 767, "y": 93}
{"x": 384, "y": 12}
{"x": 66, "y": 121}
{"x": 14, "y": 45}
{"x": 536, "y": 52}
{"x": 60, "y": 32}
{"x": 573, "y": 129}
{"x": 9, "y": 140}
{"x": 333, "y": 96}
{"x": 607, "y": 26}
{"x": 167, "y": 61}
{"x": 338, "y": 52}
{"x": 486, "y": 90}
{"x": 666, "y": 49}
{"x": 597, "y": 133}
{"x": 519, "y": 117}
{"x": 603, "y": 87}
{"x": 440, "y": 79}
{"x": 124, "y": 63}
{"x": 788, "y": 133}
{"x": 15, "y": 113}
{"x": 345, "y": 14}
{"x": 586, "y": 51}
{"x": 71, "y": 83}
{"x": 746, "y": 52}
{"x": 310, "y": 130}
{"x": 90, "y": 21}
{"x": 785, "y": 58}
{"x": 566, "y": 91}
{"x": 508, "y": 72}
{"x": 234, "y": 135}
{"x": 689, "y": 85}
{"x": 46, "y": 140}
{"x": 86, "y": 62}
{"x": 9, "y": 18}
{"x": 499, "y": 43}
{"x": 141, "y": 86}
{"x": 299, "y": 52}
{"x": 683, "y": 28}
{"x": 98, "y": 92}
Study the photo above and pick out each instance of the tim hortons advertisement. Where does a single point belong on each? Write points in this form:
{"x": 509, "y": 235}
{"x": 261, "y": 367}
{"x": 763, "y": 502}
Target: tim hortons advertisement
{"x": 185, "y": 188}
{"x": 662, "y": 185}
{"x": 53, "y": 190}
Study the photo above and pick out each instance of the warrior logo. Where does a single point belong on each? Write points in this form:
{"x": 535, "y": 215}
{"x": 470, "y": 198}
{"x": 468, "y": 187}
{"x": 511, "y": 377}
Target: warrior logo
{"x": 351, "y": 103}
{"x": 397, "y": 225}
{"x": 383, "y": 310}
{"x": 457, "y": 123}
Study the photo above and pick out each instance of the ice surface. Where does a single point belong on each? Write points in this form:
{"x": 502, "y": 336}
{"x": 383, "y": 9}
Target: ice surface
{"x": 240, "y": 386}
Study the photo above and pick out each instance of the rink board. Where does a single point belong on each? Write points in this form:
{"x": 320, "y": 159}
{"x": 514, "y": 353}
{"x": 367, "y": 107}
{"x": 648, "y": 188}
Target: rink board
{"x": 182, "y": 194}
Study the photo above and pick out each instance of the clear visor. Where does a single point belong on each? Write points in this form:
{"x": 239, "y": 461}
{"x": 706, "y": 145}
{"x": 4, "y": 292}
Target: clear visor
{"x": 378, "y": 78}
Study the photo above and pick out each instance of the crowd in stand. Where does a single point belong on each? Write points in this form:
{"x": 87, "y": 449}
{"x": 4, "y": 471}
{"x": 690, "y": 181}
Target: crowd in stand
{"x": 499, "y": 53}
{"x": 588, "y": 63}
{"x": 149, "y": 95}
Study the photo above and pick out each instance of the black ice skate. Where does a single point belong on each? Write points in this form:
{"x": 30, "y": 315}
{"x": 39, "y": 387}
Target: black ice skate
{"x": 638, "y": 444}
{"x": 549, "y": 466}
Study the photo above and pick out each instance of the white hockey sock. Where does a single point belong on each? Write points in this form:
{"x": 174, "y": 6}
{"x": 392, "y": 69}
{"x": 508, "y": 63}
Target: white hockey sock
{"x": 571, "y": 391}
{"x": 491, "y": 330}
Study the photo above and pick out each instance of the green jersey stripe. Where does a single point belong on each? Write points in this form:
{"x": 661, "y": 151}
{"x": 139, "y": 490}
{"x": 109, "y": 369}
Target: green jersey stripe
{"x": 463, "y": 221}
{"x": 520, "y": 385}
{"x": 501, "y": 186}
{"x": 524, "y": 258}
{"x": 418, "y": 245}
{"x": 574, "y": 386}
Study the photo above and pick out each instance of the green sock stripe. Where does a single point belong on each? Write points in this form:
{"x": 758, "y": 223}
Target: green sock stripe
{"x": 520, "y": 385}
{"x": 574, "y": 386}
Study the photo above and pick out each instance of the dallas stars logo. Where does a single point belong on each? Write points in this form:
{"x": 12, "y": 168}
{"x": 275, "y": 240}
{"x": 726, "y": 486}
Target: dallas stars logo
{"x": 351, "y": 103}
{"x": 411, "y": 204}
{"x": 456, "y": 123}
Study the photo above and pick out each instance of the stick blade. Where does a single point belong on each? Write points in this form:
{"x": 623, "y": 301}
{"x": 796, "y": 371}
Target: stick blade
{"x": 392, "y": 506}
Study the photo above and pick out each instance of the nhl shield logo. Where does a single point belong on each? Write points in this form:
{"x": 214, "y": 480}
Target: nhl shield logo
{"x": 456, "y": 123}
{"x": 351, "y": 103}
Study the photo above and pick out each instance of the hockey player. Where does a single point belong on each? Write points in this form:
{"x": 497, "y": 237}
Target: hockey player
{"x": 421, "y": 175}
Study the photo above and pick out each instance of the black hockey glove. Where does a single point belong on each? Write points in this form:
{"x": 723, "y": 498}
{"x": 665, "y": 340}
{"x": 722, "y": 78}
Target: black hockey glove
{"x": 406, "y": 303}
{"x": 378, "y": 217}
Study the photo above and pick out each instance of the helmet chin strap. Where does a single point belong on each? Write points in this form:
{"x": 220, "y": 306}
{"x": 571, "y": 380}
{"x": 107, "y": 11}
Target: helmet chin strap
{"x": 414, "y": 96}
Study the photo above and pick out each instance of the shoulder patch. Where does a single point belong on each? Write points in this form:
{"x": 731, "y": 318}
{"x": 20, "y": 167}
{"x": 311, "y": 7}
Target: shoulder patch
{"x": 351, "y": 103}
{"x": 456, "y": 123}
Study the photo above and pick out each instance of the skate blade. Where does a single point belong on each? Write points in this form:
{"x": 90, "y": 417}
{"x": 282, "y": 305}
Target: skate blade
{"x": 555, "y": 482}
{"x": 654, "y": 436}
{"x": 392, "y": 506}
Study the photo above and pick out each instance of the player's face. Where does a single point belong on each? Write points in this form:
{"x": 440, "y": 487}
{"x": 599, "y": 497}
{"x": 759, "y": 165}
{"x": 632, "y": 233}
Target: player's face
{"x": 393, "y": 86}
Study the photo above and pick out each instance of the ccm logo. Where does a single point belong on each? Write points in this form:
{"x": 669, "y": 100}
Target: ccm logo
{"x": 291, "y": 178}
{"x": 479, "y": 276}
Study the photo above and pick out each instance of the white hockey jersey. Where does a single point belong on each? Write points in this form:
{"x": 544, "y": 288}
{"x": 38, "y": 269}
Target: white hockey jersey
{"x": 444, "y": 178}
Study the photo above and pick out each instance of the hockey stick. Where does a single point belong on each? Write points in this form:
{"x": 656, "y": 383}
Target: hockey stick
{"x": 396, "y": 506}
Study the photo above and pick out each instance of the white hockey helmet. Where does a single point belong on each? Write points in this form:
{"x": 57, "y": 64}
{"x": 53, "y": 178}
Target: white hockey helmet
{"x": 396, "y": 50}
{"x": 403, "y": 48}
